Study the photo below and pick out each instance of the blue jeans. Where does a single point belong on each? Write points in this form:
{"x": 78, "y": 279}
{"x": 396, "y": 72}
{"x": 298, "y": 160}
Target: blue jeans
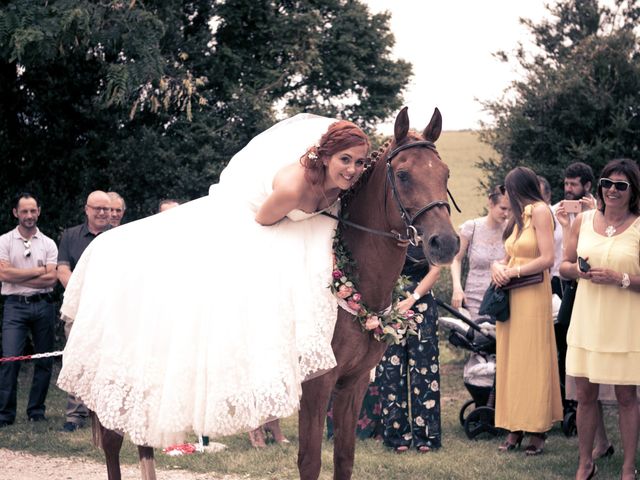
{"x": 18, "y": 320}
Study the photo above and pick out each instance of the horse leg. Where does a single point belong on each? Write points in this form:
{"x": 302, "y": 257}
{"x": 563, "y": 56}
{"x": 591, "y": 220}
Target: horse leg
{"x": 147, "y": 463}
{"x": 313, "y": 411}
{"x": 347, "y": 404}
{"x": 111, "y": 444}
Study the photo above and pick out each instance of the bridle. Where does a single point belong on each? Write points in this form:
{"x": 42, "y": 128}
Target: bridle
{"x": 411, "y": 233}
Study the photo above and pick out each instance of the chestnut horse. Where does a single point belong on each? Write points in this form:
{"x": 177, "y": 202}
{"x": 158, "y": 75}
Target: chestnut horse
{"x": 405, "y": 191}
{"x": 407, "y": 187}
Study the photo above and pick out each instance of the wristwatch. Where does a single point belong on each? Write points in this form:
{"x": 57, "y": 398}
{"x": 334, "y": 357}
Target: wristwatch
{"x": 416, "y": 295}
{"x": 626, "y": 281}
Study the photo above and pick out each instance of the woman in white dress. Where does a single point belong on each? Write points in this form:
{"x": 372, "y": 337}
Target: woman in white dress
{"x": 208, "y": 317}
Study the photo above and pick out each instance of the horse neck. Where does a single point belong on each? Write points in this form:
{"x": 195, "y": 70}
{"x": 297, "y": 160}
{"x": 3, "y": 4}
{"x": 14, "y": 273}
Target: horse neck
{"x": 379, "y": 258}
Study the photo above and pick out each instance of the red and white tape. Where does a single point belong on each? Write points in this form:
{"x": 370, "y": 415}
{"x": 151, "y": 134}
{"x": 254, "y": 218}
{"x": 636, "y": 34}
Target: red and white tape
{"x": 35, "y": 356}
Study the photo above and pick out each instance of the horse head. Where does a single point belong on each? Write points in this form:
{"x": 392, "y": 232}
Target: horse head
{"x": 418, "y": 179}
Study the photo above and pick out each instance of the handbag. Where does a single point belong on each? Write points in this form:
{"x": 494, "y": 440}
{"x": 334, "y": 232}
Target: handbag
{"x": 495, "y": 303}
{"x": 524, "y": 281}
{"x": 566, "y": 306}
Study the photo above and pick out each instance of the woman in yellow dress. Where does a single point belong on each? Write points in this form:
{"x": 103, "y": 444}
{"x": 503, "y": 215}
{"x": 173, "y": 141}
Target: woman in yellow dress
{"x": 527, "y": 378}
{"x": 603, "y": 342}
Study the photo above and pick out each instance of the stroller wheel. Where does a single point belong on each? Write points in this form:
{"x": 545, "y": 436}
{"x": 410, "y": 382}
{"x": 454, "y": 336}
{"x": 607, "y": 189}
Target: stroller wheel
{"x": 569, "y": 427}
{"x": 479, "y": 421}
{"x": 463, "y": 410}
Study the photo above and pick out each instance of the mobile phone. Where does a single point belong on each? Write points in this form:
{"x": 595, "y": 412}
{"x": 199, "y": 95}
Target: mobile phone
{"x": 572, "y": 206}
{"x": 583, "y": 265}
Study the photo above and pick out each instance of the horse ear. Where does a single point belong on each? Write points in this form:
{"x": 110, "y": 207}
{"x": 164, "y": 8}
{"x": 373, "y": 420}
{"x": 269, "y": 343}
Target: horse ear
{"x": 433, "y": 130}
{"x": 401, "y": 127}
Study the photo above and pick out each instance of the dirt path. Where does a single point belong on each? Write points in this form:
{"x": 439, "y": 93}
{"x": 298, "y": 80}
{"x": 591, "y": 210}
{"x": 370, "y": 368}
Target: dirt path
{"x": 24, "y": 466}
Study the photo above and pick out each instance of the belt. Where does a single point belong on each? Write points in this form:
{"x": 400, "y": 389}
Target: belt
{"x": 38, "y": 297}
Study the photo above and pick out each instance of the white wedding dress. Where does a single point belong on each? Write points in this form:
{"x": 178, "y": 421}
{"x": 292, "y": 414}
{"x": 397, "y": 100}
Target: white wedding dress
{"x": 199, "y": 319}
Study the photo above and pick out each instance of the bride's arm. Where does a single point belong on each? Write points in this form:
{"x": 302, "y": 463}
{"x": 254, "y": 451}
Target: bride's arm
{"x": 277, "y": 205}
{"x": 288, "y": 189}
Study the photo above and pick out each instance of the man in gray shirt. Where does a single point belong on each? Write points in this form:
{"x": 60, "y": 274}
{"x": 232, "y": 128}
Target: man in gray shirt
{"x": 72, "y": 244}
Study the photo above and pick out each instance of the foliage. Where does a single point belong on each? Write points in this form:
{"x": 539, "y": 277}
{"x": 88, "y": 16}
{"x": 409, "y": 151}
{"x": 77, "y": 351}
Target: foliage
{"x": 152, "y": 98}
{"x": 580, "y": 97}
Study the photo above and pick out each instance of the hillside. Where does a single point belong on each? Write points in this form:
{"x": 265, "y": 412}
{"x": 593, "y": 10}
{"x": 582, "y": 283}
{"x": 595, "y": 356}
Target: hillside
{"x": 461, "y": 150}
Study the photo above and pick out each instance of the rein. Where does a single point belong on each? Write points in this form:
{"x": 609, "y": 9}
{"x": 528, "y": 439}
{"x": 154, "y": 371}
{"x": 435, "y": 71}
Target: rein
{"x": 411, "y": 233}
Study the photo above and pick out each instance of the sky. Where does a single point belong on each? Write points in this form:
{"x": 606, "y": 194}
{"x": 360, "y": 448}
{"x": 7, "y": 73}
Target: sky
{"x": 450, "y": 44}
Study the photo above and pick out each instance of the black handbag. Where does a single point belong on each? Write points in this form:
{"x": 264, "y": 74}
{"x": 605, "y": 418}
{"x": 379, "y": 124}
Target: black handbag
{"x": 566, "y": 306}
{"x": 524, "y": 281}
{"x": 495, "y": 303}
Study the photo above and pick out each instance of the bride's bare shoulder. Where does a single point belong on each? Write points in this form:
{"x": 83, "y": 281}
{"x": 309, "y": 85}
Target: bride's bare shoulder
{"x": 290, "y": 177}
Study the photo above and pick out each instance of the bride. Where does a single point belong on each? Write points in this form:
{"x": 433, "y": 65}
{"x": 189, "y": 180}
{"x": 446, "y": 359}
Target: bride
{"x": 208, "y": 317}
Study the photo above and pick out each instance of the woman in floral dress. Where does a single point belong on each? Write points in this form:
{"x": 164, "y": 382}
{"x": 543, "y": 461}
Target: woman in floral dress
{"x": 412, "y": 368}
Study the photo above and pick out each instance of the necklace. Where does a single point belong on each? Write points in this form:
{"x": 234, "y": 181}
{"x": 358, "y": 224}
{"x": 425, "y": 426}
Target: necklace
{"x": 611, "y": 230}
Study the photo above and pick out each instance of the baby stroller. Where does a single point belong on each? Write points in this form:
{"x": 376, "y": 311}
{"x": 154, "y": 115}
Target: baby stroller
{"x": 477, "y": 414}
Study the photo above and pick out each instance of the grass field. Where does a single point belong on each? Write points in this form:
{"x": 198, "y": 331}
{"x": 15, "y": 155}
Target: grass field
{"x": 459, "y": 458}
{"x": 461, "y": 150}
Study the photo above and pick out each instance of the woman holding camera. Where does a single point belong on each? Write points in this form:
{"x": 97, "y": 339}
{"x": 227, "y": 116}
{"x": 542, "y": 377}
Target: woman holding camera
{"x": 602, "y": 252}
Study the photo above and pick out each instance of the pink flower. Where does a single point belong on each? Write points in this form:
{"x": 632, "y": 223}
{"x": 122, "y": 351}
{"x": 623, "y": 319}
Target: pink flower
{"x": 409, "y": 314}
{"x": 344, "y": 291}
{"x": 357, "y": 297}
{"x": 353, "y": 305}
{"x": 337, "y": 274}
{"x": 372, "y": 322}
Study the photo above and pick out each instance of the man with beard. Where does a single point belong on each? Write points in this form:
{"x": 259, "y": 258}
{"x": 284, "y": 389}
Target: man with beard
{"x": 578, "y": 180}
{"x": 28, "y": 272}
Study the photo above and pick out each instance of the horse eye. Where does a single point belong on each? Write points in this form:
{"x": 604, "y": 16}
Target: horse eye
{"x": 403, "y": 176}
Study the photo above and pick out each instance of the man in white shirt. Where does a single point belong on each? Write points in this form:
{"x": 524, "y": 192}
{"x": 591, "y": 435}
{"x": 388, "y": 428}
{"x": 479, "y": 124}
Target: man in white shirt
{"x": 28, "y": 261}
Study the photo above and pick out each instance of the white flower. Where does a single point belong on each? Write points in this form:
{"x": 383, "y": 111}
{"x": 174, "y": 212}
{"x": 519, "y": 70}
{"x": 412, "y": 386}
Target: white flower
{"x": 396, "y": 425}
{"x": 412, "y": 362}
{"x": 391, "y": 397}
{"x": 434, "y": 367}
{"x": 434, "y": 386}
{"x": 430, "y": 404}
{"x": 419, "y": 421}
{"x": 395, "y": 360}
{"x": 423, "y": 371}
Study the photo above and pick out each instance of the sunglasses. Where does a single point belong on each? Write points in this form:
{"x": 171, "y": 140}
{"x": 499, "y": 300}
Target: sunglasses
{"x": 607, "y": 183}
{"x": 27, "y": 248}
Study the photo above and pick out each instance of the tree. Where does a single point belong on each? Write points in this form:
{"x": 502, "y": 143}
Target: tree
{"x": 580, "y": 97}
{"x": 152, "y": 98}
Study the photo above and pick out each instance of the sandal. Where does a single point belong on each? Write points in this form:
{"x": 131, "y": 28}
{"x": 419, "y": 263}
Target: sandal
{"x": 256, "y": 437}
{"x": 606, "y": 454}
{"x": 509, "y": 445}
{"x": 532, "y": 449}
{"x": 401, "y": 448}
{"x": 273, "y": 427}
{"x": 424, "y": 449}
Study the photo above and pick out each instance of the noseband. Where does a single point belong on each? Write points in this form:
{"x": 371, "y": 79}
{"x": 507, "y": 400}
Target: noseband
{"x": 411, "y": 233}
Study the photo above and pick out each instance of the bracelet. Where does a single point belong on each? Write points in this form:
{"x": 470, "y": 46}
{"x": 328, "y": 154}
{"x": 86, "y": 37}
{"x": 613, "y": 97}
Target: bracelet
{"x": 416, "y": 296}
{"x": 626, "y": 281}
